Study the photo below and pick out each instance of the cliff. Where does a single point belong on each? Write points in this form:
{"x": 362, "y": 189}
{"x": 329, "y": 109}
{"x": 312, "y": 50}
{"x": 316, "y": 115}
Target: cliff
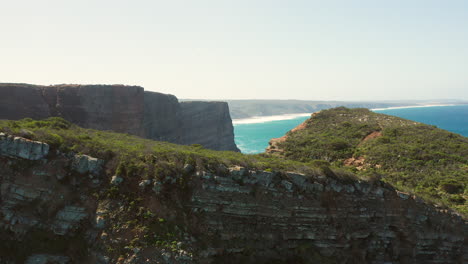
{"x": 162, "y": 117}
{"x": 209, "y": 125}
{"x": 125, "y": 109}
{"x": 138, "y": 201}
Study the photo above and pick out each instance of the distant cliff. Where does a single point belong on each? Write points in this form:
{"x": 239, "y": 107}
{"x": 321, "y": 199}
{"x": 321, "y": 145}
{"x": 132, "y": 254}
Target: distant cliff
{"x": 207, "y": 124}
{"x": 126, "y": 109}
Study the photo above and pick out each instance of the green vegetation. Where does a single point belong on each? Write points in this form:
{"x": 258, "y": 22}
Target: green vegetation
{"x": 411, "y": 156}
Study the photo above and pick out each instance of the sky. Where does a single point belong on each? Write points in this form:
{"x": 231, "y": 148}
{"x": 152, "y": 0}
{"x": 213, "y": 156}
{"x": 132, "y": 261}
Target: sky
{"x": 243, "y": 49}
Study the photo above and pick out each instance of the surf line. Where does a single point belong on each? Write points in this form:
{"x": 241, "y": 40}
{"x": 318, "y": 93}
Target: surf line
{"x": 265, "y": 119}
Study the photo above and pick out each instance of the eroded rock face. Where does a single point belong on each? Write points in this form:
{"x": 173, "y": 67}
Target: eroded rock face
{"x": 293, "y": 217}
{"x": 126, "y": 109}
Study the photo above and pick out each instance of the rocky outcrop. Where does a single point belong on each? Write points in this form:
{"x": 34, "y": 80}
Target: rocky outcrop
{"x": 86, "y": 164}
{"x": 125, "y": 109}
{"x": 235, "y": 215}
{"x": 22, "y": 147}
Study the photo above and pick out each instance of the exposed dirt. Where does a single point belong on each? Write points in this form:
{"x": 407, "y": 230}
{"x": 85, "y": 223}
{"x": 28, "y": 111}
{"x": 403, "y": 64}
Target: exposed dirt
{"x": 274, "y": 142}
{"x": 372, "y": 135}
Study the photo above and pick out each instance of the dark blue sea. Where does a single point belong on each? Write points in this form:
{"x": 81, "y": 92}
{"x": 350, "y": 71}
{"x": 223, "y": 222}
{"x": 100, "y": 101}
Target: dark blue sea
{"x": 252, "y": 135}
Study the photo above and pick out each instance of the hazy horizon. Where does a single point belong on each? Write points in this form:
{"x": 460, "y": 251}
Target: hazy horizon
{"x": 244, "y": 50}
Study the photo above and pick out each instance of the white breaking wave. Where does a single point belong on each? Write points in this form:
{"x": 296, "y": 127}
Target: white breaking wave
{"x": 265, "y": 119}
{"x": 411, "y": 106}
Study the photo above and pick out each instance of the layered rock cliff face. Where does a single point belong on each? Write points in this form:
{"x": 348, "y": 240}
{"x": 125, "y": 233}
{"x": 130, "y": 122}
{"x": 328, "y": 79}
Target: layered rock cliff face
{"x": 203, "y": 122}
{"x": 162, "y": 117}
{"x": 126, "y": 109}
{"x": 68, "y": 208}
{"x": 113, "y": 107}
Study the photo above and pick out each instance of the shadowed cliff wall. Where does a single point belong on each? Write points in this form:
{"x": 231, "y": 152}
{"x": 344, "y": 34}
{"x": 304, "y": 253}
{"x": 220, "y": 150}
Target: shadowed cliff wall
{"x": 125, "y": 109}
{"x": 162, "y": 117}
{"x": 207, "y": 124}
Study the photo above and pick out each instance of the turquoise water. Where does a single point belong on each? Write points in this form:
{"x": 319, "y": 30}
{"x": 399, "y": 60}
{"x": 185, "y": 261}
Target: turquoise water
{"x": 253, "y": 138}
{"x": 451, "y": 118}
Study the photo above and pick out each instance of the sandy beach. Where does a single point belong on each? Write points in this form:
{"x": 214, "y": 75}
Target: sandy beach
{"x": 264, "y": 119}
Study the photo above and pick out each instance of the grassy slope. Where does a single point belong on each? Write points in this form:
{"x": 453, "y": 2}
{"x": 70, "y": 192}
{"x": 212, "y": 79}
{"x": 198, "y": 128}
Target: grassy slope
{"x": 414, "y": 157}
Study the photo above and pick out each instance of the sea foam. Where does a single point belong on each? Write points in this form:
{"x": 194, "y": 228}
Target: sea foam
{"x": 265, "y": 119}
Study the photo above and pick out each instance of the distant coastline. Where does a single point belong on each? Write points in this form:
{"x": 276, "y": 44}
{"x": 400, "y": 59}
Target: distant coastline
{"x": 245, "y": 109}
{"x": 271, "y": 118}
{"x": 411, "y": 106}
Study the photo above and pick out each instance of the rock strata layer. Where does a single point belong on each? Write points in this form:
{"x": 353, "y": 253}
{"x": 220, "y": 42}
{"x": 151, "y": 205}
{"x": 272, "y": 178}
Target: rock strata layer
{"x": 125, "y": 109}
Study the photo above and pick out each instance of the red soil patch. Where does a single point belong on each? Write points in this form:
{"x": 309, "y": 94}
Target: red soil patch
{"x": 372, "y": 135}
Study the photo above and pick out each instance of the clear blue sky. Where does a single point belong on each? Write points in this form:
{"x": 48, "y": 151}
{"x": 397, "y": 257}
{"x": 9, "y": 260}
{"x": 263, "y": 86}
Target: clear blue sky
{"x": 220, "y": 49}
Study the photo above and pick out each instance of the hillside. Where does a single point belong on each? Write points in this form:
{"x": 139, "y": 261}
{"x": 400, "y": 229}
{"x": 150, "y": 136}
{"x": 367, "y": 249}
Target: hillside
{"x": 411, "y": 156}
{"x": 74, "y": 195}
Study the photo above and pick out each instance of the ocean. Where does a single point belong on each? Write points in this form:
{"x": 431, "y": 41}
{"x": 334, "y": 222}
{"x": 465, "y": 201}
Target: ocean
{"x": 253, "y": 134}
